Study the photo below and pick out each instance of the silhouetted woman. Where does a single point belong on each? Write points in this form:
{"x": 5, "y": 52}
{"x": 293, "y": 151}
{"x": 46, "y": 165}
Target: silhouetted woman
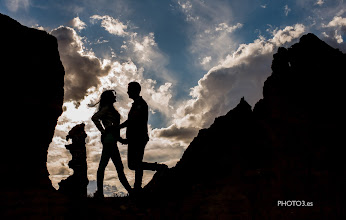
{"x": 107, "y": 120}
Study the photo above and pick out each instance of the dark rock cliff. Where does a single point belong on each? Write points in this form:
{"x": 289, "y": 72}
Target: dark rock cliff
{"x": 32, "y": 96}
{"x": 288, "y": 148}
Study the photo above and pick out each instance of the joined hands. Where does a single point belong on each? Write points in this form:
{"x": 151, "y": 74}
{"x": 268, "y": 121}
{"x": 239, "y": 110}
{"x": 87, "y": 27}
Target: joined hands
{"x": 123, "y": 141}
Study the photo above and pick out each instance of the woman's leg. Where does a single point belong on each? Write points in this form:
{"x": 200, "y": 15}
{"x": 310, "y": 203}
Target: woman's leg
{"x": 102, "y": 166}
{"x": 116, "y": 158}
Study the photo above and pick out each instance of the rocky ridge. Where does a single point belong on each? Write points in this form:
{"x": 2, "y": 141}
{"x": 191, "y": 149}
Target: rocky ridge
{"x": 289, "y": 147}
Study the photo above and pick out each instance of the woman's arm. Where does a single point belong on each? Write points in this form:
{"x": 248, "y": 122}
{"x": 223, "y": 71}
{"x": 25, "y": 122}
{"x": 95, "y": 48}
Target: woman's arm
{"x": 96, "y": 118}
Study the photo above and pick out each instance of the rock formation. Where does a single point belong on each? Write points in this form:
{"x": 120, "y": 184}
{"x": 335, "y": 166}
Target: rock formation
{"x": 76, "y": 184}
{"x": 288, "y": 148}
{"x": 32, "y": 97}
{"x": 33, "y": 90}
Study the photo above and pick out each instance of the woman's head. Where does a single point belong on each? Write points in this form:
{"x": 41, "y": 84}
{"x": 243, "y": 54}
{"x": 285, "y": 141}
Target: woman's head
{"x": 108, "y": 97}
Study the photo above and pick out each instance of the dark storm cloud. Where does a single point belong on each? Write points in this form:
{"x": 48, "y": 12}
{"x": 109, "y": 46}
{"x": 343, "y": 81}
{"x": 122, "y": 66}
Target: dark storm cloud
{"x": 82, "y": 69}
{"x": 176, "y": 133}
{"x": 163, "y": 153}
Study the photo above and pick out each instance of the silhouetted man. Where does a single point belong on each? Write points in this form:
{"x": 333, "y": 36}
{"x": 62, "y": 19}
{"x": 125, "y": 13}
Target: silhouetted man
{"x": 137, "y": 135}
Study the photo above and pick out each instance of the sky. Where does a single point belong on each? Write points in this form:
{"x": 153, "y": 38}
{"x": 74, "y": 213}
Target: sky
{"x": 195, "y": 60}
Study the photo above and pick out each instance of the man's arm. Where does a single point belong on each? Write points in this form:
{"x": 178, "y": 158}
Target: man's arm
{"x": 123, "y": 141}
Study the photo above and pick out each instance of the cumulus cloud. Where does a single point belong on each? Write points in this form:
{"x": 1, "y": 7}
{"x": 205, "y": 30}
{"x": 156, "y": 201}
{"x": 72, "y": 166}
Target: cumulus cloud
{"x": 77, "y": 23}
{"x": 173, "y": 132}
{"x": 82, "y": 68}
{"x": 160, "y": 98}
{"x": 287, "y": 34}
{"x": 242, "y": 74}
{"x": 163, "y": 153}
{"x": 113, "y": 26}
{"x": 337, "y": 21}
{"x": 334, "y": 31}
{"x": 141, "y": 48}
{"x": 332, "y": 37}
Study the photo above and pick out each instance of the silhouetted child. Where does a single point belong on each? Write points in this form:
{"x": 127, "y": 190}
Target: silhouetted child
{"x": 76, "y": 184}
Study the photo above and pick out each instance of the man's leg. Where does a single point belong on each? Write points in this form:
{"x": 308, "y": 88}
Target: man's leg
{"x": 138, "y": 179}
{"x": 135, "y": 157}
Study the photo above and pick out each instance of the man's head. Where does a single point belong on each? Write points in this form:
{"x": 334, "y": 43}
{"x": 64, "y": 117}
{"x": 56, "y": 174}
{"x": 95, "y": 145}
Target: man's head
{"x": 133, "y": 90}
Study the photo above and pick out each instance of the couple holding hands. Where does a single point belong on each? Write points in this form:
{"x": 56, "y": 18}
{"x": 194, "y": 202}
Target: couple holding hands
{"x": 107, "y": 120}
